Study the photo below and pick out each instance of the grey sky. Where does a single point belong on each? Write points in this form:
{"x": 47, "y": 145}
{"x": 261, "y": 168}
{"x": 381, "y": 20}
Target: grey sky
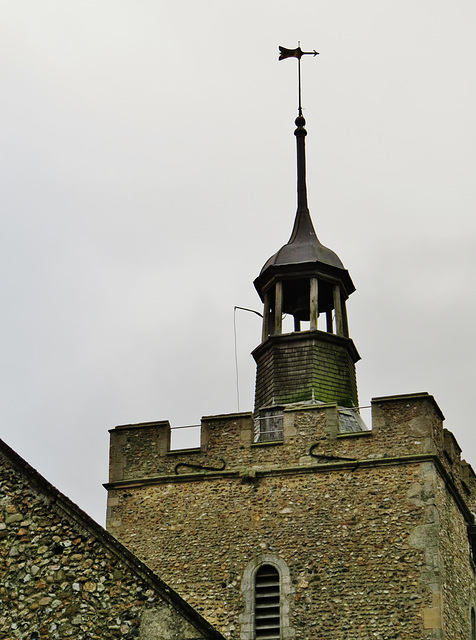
{"x": 148, "y": 172}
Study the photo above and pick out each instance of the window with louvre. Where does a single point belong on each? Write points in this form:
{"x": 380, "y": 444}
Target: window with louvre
{"x": 269, "y": 425}
{"x": 267, "y": 604}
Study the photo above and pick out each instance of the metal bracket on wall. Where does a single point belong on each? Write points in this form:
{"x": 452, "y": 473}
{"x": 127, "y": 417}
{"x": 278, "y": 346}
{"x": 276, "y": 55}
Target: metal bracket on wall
{"x": 199, "y": 467}
{"x": 326, "y": 458}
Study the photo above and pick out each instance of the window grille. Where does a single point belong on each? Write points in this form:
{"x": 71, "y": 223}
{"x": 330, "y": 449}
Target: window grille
{"x": 269, "y": 425}
{"x": 267, "y": 604}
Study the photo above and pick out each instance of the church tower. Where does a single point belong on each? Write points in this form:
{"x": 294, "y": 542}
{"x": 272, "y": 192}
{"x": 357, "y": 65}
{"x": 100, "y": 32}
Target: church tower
{"x": 296, "y": 521}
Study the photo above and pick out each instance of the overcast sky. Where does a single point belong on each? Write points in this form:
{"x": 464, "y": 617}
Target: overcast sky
{"x": 148, "y": 172}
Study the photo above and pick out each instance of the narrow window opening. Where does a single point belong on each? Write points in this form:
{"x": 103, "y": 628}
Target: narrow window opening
{"x": 473, "y": 624}
{"x": 267, "y": 604}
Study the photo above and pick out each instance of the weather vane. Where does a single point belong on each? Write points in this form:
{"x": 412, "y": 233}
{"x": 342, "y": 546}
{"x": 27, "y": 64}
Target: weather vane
{"x": 296, "y": 53}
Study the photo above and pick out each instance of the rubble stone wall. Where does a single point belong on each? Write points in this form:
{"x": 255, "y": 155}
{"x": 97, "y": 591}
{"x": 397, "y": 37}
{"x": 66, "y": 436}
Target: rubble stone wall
{"x": 345, "y": 537}
{"x": 372, "y": 530}
{"x": 457, "y": 566}
{"x": 61, "y": 577}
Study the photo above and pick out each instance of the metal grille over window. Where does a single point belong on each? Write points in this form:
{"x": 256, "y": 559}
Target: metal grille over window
{"x": 267, "y": 612}
{"x": 269, "y": 425}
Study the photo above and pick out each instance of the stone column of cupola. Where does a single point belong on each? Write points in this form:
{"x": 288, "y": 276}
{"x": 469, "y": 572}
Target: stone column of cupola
{"x": 313, "y": 306}
{"x": 278, "y": 307}
{"x": 266, "y": 316}
{"x": 273, "y": 313}
{"x": 341, "y": 328}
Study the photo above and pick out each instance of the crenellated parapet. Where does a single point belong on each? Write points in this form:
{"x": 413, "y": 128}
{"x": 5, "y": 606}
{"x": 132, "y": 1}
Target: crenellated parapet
{"x": 308, "y": 483}
{"x": 306, "y": 438}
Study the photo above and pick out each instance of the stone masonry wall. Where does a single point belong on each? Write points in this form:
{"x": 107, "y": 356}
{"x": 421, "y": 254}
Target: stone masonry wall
{"x": 458, "y": 570}
{"x": 62, "y": 576}
{"x": 373, "y": 531}
{"x": 342, "y": 535}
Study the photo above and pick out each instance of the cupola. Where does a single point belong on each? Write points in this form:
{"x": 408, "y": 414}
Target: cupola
{"x": 314, "y": 359}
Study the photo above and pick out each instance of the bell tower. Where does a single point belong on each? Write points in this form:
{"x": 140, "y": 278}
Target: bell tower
{"x": 298, "y": 522}
{"x": 315, "y": 361}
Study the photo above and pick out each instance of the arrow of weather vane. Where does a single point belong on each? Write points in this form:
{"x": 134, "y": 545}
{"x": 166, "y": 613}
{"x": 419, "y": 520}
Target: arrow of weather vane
{"x": 296, "y": 53}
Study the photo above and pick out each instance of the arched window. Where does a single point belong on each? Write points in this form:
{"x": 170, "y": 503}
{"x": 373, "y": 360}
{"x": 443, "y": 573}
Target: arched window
{"x": 267, "y": 603}
{"x": 267, "y": 594}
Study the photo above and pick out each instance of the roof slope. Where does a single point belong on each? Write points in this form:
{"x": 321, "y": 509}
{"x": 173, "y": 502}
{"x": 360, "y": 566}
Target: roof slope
{"x": 63, "y": 574}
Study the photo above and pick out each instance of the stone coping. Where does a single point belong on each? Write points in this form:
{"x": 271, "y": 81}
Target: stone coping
{"x": 287, "y": 408}
{"x": 228, "y": 416}
{"x": 142, "y": 425}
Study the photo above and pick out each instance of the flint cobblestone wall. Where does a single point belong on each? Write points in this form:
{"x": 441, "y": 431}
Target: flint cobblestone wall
{"x": 457, "y": 566}
{"x": 344, "y": 535}
{"x": 374, "y": 543}
{"x": 62, "y": 576}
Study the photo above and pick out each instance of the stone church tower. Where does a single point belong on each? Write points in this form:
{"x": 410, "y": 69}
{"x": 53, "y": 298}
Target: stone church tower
{"x": 297, "y": 521}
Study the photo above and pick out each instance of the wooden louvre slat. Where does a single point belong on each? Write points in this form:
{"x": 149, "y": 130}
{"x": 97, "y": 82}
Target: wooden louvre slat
{"x": 268, "y": 593}
{"x": 267, "y": 612}
{"x": 267, "y": 580}
{"x": 270, "y": 615}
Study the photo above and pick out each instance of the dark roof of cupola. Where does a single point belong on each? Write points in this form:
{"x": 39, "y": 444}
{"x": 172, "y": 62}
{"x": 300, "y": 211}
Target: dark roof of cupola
{"x": 303, "y": 246}
{"x": 303, "y": 250}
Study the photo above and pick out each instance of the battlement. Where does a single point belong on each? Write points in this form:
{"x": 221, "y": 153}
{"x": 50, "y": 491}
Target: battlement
{"x": 309, "y": 437}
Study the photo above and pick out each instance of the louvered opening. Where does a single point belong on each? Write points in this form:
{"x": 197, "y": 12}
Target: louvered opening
{"x": 269, "y": 425}
{"x": 267, "y": 614}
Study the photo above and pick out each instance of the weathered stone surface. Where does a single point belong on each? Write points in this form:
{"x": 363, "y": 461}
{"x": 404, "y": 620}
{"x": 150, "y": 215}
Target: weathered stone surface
{"x": 164, "y": 623}
{"x": 375, "y": 538}
{"x": 63, "y": 576}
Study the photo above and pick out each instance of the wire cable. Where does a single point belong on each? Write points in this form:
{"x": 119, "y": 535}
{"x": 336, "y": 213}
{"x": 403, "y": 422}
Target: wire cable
{"x": 236, "y": 349}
